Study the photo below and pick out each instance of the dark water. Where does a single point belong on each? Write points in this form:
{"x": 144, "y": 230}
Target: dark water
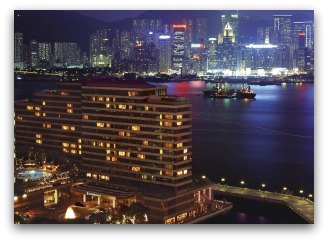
{"x": 266, "y": 140}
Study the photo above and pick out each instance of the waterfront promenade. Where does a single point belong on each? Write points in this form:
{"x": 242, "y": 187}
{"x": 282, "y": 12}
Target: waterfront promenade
{"x": 302, "y": 206}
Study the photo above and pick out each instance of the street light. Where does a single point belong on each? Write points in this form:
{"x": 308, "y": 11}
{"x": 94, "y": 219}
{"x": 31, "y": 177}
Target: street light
{"x": 301, "y": 191}
{"x": 223, "y": 179}
{"x": 242, "y": 182}
{"x": 24, "y": 195}
{"x": 310, "y": 196}
{"x": 15, "y": 198}
{"x": 263, "y": 185}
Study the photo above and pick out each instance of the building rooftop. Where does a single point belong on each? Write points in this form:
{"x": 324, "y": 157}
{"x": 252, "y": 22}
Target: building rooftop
{"x": 118, "y": 83}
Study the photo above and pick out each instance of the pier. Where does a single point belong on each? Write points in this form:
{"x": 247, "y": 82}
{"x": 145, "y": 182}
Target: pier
{"x": 302, "y": 206}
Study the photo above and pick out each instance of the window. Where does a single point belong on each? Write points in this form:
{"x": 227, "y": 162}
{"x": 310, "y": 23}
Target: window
{"x": 168, "y": 145}
{"x": 146, "y": 108}
{"x": 79, "y": 140}
{"x": 145, "y": 142}
{"x": 73, "y": 151}
{"x": 72, "y": 128}
{"x": 169, "y": 167}
{"x": 132, "y": 94}
{"x": 38, "y": 136}
{"x": 136, "y": 128}
{"x": 80, "y": 146}
{"x": 121, "y": 153}
{"x": 108, "y": 158}
{"x": 127, "y": 134}
{"x": 179, "y": 123}
{"x": 168, "y": 173}
{"x": 48, "y": 126}
{"x": 161, "y": 151}
{"x": 73, "y": 145}
{"x": 38, "y": 141}
{"x": 141, "y": 156}
{"x": 107, "y": 125}
{"x": 130, "y": 107}
{"x": 100, "y": 99}
{"x": 179, "y": 145}
{"x": 121, "y": 133}
{"x": 179, "y": 116}
{"x": 168, "y": 116}
{"x": 38, "y": 108}
{"x": 65, "y": 150}
{"x": 44, "y": 114}
{"x": 69, "y": 105}
{"x": 63, "y": 93}
{"x": 114, "y": 158}
{"x": 107, "y": 105}
{"x": 100, "y": 125}
{"x": 19, "y": 118}
{"x": 185, "y": 157}
{"x": 185, "y": 151}
{"x": 135, "y": 168}
{"x": 38, "y": 114}
{"x": 121, "y": 106}
{"x": 65, "y": 127}
{"x": 179, "y": 173}
{"x": 88, "y": 175}
{"x": 70, "y": 110}
{"x": 29, "y": 107}
{"x": 107, "y": 152}
{"x": 43, "y": 103}
{"x": 65, "y": 144}
{"x": 185, "y": 172}
{"x": 107, "y": 99}
{"x": 85, "y": 117}
{"x": 167, "y": 124}
{"x": 127, "y": 154}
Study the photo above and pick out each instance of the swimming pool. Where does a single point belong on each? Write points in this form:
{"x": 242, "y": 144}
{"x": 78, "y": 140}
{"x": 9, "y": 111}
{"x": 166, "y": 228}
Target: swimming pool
{"x": 32, "y": 174}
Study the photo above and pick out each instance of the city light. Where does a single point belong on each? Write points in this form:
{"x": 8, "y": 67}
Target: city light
{"x": 223, "y": 179}
{"x": 263, "y": 185}
{"x": 242, "y": 182}
{"x": 179, "y": 26}
{"x": 301, "y": 191}
{"x": 24, "y": 195}
{"x": 15, "y": 198}
{"x": 268, "y": 46}
{"x": 285, "y": 188}
{"x": 164, "y": 37}
{"x": 310, "y": 195}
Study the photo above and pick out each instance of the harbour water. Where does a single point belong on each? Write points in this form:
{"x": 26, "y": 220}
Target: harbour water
{"x": 269, "y": 139}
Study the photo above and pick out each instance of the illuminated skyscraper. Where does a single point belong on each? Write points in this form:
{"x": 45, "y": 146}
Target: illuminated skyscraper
{"x": 33, "y": 53}
{"x": 282, "y": 26}
{"x": 18, "y": 47}
{"x": 178, "y": 46}
{"x": 200, "y": 29}
{"x": 164, "y": 53}
{"x": 100, "y": 53}
{"x": 232, "y": 19}
{"x": 44, "y": 53}
{"x": 226, "y": 51}
{"x": 125, "y": 43}
{"x": 140, "y": 29}
{"x": 305, "y": 27}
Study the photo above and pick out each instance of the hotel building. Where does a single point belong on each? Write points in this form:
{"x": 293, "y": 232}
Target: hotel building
{"x": 125, "y": 134}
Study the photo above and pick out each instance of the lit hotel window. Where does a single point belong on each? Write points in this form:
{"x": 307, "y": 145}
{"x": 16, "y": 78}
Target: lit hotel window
{"x": 79, "y": 140}
{"x": 179, "y": 123}
{"x": 179, "y": 116}
{"x": 85, "y": 117}
{"x": 127, "y": 154}
{"x": 168, "y": 173}
{"x": 168, "y": 145}
{"x": 88, "y": 174}
{"x": 127, "y": 134}
{"x": 185, "y": 150}
{"x": 69, "y": 105}
{"x": 185, "y": 172}
{"x": 179, "y": 173}
{"x": 29, "y": 107}
{"x": 44, "y": 114}
{"x": 114, "y": 158}
{"x": 167, "y": 124}
{"x": 70, "y": 110}
{"x": 19, "y": 118}
{"x": 107, "y": 152}
{"x": 107, "y": 125}
{"x": 101, "y": 125}
{"x": 48, "y": 126}
{"x": 121, "y": 153}
{"x": 141, "y": 156}
{"x": 107, "y": 105}
{"x": 38, "y": 141}
{"x": 135, "y": 168}
{"x": 170, "y": 167}
{"x": 80, "y": 146}
{"x": 39, "y": 136}
{"x": 72, "y": 128}
{"x": 121, "y": 133}
{"x": 64, "y": 93}
{"x": 73, "y": 151}
{"x": 73, "y": 145}
{"x": 100, "y": 98}
{"x": 65, "y": 127}
{"x": 179, "y": 145}
{"x": 121, "y": 106}
{"x": 135, "y": 128}
{"x": 43, "y": 103}
{"x": 161, "y": 151}
{"x": 146, "y": 108}
{"x": 80, "y": 152}
{"x": 132, "y": 94}
{"x": 65, "y": 144}
{"x": 145, "y": 142}
{"x": 185, "y": 157}
{"x": 38, "y": 114}
{"x": 107, "y": 99}
{"x": 130, "y": 107}
{"x": 37, "y": 108}
{"x": 108, "y": 158}
{"x": 168, "y": 116}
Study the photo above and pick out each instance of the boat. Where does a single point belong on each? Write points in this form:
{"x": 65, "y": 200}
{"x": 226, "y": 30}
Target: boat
{"x": 245, "y": 92}
{"x": 219, "y": 91}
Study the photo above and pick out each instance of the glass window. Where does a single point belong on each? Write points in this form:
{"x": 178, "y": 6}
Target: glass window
{"x": 135, "y": 128}
{"x": 65, "y": 127}
{"x": 101, "y": 125}
{"x": 29, "y": 107}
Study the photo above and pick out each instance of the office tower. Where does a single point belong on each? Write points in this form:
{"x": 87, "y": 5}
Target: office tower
{"x": 146, "y": 156}
{"x": 212, "y": 61}
{"x": 260, "y": 56}
{"x": 73, "y": 55}
{"x": 200, "y": 29}
{"x": 227, "y": 51}
{"x": 260, "y": 35}
{"x": 232, "y": 19}
{"x": 140, "y": 29}
{"x": 33, "y": 53}
{"x": 59, "y": 53}
{"x": 178, "y": 46}
{"x": 146, "y": 59}
{"x": 18, "y": 47}
{"x": 166, "y": 29}
{"x": 155, "y": 25}
{"x": 307, "y": 28}
{"x": 44, "y": 53}
{"x": 282, "y": 26}
{"x": 301, "y": 51}
{"x": 189, "y": 35}
{"x": 100, "y": 52}
{"x": 164, "y": 54}
{"x": 125, "y": 43}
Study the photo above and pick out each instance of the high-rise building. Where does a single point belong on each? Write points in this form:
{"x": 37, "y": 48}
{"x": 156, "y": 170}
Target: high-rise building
{"x": 100, "y": 52}
{"x": 178, "y": 46}
{"x": 301, "y": 51}
{"x": 307, "y": 28}
{"x": 44, "y": 53}
{"x": 189, "y": 35}
{"x": 66, "y": 54}
{"x": 227, "y": 58}
{"x": 232, "y": 19}
{"x": 212, "y": 59}
{"x": 59, "y": 53}
{"x": 18, "y": 47}
{"x": 282, "y": 26}
{"x": 200, "y": 29}
{"x": 125, "y": 43}
{"x": 156, "y": 25}
{"x": 164, "y": 54}
{"x": 33, "y": 53}
{"x": 260, "y": 56}
{"x": 149, "y": 153}
{"x": 140, "y": 29}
